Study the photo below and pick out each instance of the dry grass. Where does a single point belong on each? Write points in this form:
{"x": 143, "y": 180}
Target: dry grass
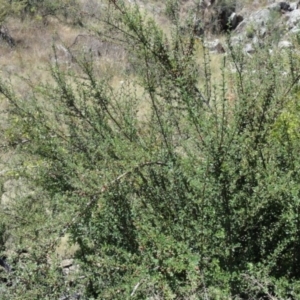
{"x": 34, "y": 49}
{"x": 65, "y": 249}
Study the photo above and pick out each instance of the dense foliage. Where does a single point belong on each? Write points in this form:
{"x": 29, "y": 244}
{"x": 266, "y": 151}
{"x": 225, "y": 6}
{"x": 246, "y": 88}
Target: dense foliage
{"x": 194, "y": 197}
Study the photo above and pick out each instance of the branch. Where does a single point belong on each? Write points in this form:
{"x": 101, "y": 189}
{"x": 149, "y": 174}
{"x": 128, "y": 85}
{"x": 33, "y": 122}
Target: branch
{"x": 94, "y": 198}
{"x": 256, "y": 282}
{"x": 136, "y": 287}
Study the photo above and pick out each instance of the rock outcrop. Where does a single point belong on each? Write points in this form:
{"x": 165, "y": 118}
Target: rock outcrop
{"x": 219, "y": 16}
{"x": 251, "y": 28}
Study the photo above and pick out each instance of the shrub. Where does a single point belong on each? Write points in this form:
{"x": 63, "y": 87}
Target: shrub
{"x": 44, "y": 8}
{"x": 196, "y": 198}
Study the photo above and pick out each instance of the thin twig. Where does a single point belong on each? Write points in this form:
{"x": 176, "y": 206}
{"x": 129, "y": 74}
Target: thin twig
{"x": 136, "y": 287}
{"x": 256, "y": 282}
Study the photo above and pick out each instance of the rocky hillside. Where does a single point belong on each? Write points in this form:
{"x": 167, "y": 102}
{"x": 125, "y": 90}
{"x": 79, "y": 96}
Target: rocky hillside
{"x": 249, "y": 22}
{"x": 251, "y": 25}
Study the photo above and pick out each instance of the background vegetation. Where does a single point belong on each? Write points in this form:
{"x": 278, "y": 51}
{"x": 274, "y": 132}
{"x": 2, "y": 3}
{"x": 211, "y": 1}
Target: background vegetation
{"x": 176, "y": 183}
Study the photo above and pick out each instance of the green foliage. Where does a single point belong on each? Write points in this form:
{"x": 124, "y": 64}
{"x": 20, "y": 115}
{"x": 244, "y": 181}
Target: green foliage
{"x": 44, "y": 8}
{"x": 287, "y": 125}
{"x": 172, "y": 10}
{"x": 10, "y": 8}
{"x": 196, "y": 198}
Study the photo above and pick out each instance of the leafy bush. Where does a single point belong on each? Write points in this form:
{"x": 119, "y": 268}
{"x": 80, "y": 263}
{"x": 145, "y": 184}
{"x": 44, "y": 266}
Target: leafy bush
{"x": 196, "y": 198}
{"x": 9, "y": 8}
{"x": 44, "y": 8}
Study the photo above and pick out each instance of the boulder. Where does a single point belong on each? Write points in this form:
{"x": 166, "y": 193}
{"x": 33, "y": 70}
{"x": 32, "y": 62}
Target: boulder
{"x": 285, "y": 6}
{"x": 281, "y": 6}
{"x": 249, "y": 48}
{"x": 285, "y": 45}
{"x": 92, "y": 46}
{"x": 67, "y": 263}
{"x": 286, "y": 17}
{"x": 295, "y": 30}
{"x": 216, "y": 16}
{"x": 235, "y": 20}
{"x": 260, "y": 18}
{"x": 294, "y": 5}
{"x": 293, "y": 18}
{"x": 254, "y": 24}
{"x": 215, "y": 46}
{"x": 68, "y": 267}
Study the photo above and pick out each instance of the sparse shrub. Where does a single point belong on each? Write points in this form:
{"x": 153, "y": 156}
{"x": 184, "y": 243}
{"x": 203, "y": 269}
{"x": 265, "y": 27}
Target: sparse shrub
{"x": 9, "y": 8}
{"x": 44, "y": 8}
{"x": 250, "y": 31}
{"x": 172, "y": 9}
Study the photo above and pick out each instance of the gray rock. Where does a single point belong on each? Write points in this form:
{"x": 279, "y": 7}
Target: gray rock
{"x": 260, "y": 18}
{"x": 237, "y": 40}
{"x": 249, "y": 48}
{"x": 74, "y": 296}
{"x": 255, "y": 41}
{"x": 235, "y": 20}
{"x": 216, "y": 17}
{"x": 293, "y": 18}
{"x": 274, "y": 7}
{"x": 294, "y": 5}
{"x": 285, "y": 45}
{"x": 215, "y": 46}
{"x": 263, "y": 32}
{"x": 280, "y": 6}
{"x": 68, "y": 267}
{"x": 285, "y": 6}
{"x": 67, "y": 263}
{"x": 255, "y": 24}
{"x": 295, "y": 30}
{"x": 241, "y": 27}
{"x": 93, "y": 46}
